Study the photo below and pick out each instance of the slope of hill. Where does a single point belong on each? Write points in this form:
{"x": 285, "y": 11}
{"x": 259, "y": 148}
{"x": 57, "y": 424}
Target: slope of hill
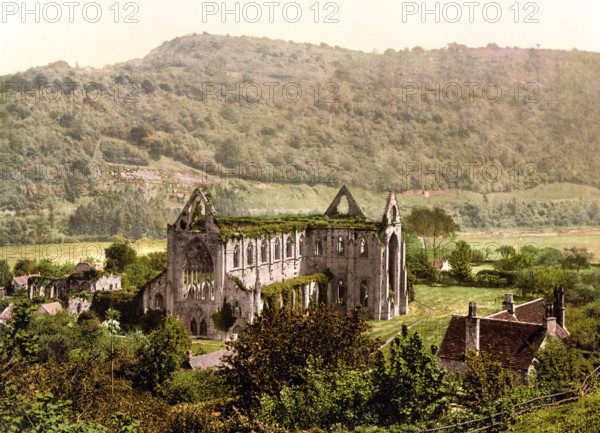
{"x": 309, "y": 115}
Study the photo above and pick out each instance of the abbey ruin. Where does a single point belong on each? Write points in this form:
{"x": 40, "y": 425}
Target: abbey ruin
{"x": 244, "y": 264}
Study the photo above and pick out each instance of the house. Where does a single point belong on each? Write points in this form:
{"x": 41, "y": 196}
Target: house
{"x": 513, "y": 334}
{"x": 52, "y": 308}
{"x": 7, "y": 315}
{"x": 441, "y": 264}
{"x": 339, "y": 257}
{"x": 20, "y": 282}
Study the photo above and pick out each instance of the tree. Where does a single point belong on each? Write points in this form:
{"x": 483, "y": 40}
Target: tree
{"x": 558, "y": 368}
{"x": 549, "y": 278}
{"x": 411, "y": 387}
{"x": 514, "y": 262}
{"x": 166, "y": 349}
{"x": 5, "y": 273}
{"x": 118, "y": 256}
{"x": 224, "y": 318}
{"x": 431, "y": 225}
{"x": 279, "y": 342}
{"x": 576, "y": 258}
{"x": 506, "y": 251}
{"x": 548, "y": 257}
{"x": 460, "y": 260}
{"x": 25, "y": 267}
{"x": 486, "y": 379}
{"x": 140, "y": 271}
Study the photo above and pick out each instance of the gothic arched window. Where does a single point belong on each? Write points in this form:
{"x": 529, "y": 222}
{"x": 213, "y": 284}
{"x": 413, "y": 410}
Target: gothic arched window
{"x": 341, "y": 292}
{"x": 277, "y": 249}
{"x": 236, "y": 256}
{"x": 250, "y": 254}
{"x": 364, "y": 249}
{"x": 364, "y": 294}
{"x": 289, "y": 248}
{"x": 318, "y": 247}
{"x": 340, "y": 246}
{"x": 264, "y": 251}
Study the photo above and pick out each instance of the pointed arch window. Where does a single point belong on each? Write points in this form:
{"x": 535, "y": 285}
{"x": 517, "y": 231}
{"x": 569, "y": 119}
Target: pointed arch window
{"x": 340, "y": 245}
{"x": 250, "y": 254}
{"x": 364, "y": 294}
{"x": 289, "y": 247}
{"x": 236, "y": 256}
{"x": 318, "y": 247}
{"x": 277, "y": 249}
{"x": 364, "y": 249}
{"x": 301, "y": 245}
{"x": 264, "y": 251}
{"x": 341, "y": 292}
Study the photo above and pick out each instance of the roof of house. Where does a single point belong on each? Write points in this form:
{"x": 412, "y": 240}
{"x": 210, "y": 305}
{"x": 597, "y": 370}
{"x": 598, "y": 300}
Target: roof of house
{"x": 513, "y": 337}
{"x": 7, "y": 314}
{"x": 50, "y": 308}
{"x": 438, "y": 263}
{"x": 22, "y": 279}
{"x": 209, "y": 360}
{"x": 515, "y": 343}
{"x": 530, "y": 312}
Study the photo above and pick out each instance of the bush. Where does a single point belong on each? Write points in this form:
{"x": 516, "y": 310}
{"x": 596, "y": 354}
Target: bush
{"x": 323, "y": 400}
{"x": 213, "y": 417}
{"x": 188, "y": 386}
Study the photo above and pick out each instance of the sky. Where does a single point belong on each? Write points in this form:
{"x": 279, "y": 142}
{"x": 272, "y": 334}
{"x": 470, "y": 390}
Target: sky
{"x": 88, "y": 33}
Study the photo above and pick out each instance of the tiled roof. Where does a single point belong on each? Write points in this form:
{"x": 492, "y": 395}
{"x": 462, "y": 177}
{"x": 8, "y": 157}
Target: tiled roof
{"x": 22, "y": 280}
{"x": 7, "y": 314}
{"x": 530, "y": 312}
{"x": 514, "y": 342}
{"x": 51, "y": 308}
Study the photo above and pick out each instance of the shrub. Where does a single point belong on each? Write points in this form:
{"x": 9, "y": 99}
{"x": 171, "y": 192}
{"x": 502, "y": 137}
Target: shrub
{"x": 187, "y": 386}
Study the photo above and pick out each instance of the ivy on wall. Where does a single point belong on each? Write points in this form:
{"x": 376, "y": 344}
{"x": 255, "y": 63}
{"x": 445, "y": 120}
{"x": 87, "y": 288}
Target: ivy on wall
{"x": 224, "y": 318}
{"x": 293, "y": 288}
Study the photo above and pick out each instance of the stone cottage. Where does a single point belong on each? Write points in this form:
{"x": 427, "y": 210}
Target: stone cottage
{"x": 339, "y": 257}
{"x": 514, "y": 334}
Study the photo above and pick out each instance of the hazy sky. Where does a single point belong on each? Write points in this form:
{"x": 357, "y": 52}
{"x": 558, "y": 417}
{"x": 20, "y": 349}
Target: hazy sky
{"x": 94, "y": 34}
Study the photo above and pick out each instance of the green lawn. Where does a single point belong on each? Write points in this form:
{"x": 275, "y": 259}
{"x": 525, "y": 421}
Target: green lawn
{"x": 386, "y": 328}
{"x": 450, "y": 300}
{"x": 206, "y": 346}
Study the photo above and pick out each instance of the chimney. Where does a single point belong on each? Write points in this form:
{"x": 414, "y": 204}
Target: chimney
{"x": 559, "y": 306}
{"x": 472, "y": 328}
{"x": 550, "y": 325}
{"x": 508, "y": 303}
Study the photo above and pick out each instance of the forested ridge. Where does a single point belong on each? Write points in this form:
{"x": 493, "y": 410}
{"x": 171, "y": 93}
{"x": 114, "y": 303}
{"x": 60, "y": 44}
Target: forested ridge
{"x": 335, "y": 116}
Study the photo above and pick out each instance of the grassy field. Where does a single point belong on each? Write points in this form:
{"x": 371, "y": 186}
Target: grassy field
{"x": 73, "y": 252}
{"x": 447, "y": 301}
{"x": 386, "y": 328}
{"x": 206, "y": 346}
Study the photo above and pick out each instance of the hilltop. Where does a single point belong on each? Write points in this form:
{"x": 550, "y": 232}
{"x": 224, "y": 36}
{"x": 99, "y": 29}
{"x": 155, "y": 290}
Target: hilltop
{"x": 212, "y": 105}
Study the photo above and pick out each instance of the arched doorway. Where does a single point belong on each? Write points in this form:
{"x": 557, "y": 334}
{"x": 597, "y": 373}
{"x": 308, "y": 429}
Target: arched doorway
{"x": 393, "y": 263}
{"x": 203, "y": 328}
{"x": 193, "y": 327}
